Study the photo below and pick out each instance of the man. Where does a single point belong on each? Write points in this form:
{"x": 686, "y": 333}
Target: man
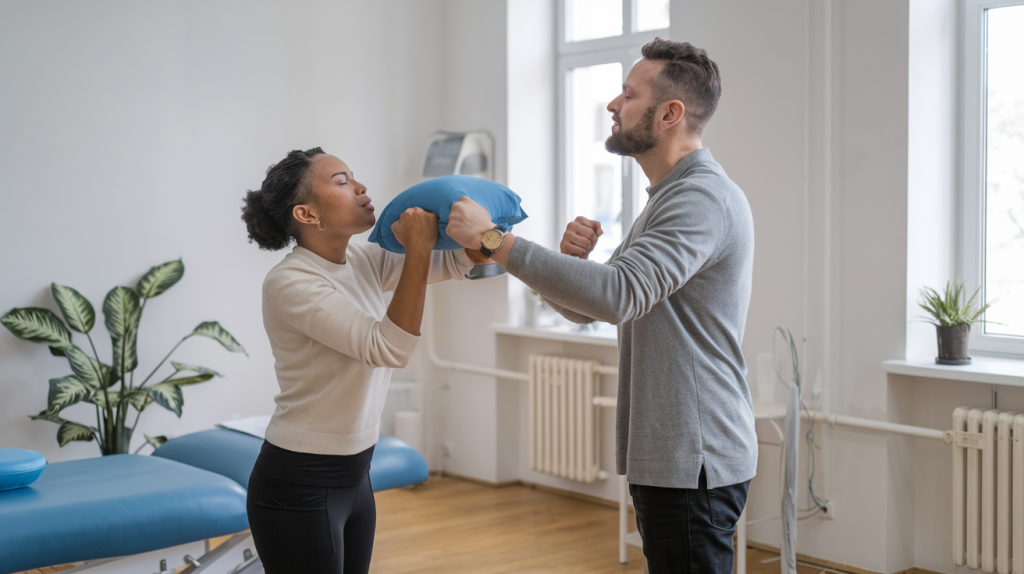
{"x": 678, "y": 288}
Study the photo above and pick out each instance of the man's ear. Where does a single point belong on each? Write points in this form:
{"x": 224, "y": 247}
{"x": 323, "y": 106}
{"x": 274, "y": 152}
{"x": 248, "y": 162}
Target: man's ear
{"x": 671, "y": 113}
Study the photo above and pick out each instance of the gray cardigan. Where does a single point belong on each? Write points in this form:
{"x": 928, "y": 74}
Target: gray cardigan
{"x": 678, "y": 287}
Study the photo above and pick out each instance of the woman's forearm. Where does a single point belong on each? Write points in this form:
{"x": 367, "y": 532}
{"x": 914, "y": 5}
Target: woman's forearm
{"x": 406, "y": 309}
{"x": 476, "y": 257}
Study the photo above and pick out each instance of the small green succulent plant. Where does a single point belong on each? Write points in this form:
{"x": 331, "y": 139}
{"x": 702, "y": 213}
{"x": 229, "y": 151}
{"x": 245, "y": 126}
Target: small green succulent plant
{"x": 951, "y": 307}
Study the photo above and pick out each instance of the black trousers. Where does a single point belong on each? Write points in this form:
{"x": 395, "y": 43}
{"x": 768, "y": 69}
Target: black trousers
{"x": 689, "y": 530}
{"x": 311, "y": 529}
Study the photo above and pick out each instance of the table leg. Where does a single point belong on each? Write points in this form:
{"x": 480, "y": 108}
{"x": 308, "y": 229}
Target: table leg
{"x": 623, "y": 518}
{"x": 741, "y": 543}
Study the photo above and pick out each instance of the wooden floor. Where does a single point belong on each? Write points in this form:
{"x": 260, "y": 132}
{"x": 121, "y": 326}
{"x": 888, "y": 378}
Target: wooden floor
{"x": 450, "y": 525}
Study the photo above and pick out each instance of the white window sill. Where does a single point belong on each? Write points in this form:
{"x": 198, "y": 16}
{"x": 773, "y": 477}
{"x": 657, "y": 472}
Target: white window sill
{"x": 568, "y": 334}
{"x": 989, "y": 370}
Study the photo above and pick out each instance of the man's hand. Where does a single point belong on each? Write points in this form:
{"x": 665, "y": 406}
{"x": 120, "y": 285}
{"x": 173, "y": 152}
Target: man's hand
{"x": 467, "y": 223}
{"x": 580, "y": 237}
{"x": 416, "y": 230}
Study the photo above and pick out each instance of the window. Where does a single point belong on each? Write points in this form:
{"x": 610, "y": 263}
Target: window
{"x": 599, "y": 41}
{"x": 993, "y": 213}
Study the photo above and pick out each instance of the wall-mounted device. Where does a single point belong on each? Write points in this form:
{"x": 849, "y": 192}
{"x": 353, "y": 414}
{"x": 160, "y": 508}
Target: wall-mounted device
{"x": 469, "y": 153}
{"x": 453, "y": 153}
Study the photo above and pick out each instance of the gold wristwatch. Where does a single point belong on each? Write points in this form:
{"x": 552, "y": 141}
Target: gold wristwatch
{"x": 492, "y": 241}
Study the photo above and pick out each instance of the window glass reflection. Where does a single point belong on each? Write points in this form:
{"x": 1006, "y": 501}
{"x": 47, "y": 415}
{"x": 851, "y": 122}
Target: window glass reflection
{"x": 1004, "y": 171}
{"x": 591, "y": 19}
{"x": 595, "y": 175}
{"x": 651, "y": 15}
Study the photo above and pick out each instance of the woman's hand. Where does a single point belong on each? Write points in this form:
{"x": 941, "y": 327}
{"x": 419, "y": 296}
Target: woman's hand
{"x": 416, "y": 230}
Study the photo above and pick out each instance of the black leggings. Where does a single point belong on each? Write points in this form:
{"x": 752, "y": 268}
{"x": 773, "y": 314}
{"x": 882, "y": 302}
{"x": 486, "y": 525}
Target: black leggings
{"x": 311, "y": 529}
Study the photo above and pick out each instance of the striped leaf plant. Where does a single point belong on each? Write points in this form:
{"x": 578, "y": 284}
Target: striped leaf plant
{"x": 111, "y": 388}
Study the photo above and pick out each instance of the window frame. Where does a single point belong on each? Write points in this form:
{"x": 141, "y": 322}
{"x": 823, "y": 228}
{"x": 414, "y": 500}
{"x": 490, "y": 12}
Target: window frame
{"x": 623, "y": 49}
{"x": 973, "y": 199}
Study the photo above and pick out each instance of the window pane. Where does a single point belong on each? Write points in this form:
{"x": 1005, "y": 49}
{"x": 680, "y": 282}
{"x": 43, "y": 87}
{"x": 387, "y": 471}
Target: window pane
{"x": 595, "y": 176}
{"x": 590, "y": 19}
{"x": 1004, "y": 171}
{"x": 651, "y": 15}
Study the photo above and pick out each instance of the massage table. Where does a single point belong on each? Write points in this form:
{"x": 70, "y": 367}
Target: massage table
{"x": 143, "y": 514}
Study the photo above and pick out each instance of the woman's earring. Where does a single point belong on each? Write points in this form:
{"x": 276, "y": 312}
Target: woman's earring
{"x": 320, "y": 225}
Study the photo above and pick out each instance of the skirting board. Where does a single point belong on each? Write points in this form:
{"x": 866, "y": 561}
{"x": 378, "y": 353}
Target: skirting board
{"x": 823, "y": 563}
{"x": 475, "y": 480}
{"x": 551, "y": 489}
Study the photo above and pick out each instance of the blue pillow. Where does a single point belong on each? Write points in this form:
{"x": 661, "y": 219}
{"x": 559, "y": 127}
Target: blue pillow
{"x": 19, "y": 467}
{"x": 437, "y": 195}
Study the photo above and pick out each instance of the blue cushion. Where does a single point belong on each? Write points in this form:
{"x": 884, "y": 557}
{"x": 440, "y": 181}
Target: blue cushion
{"x": 19, "y": 467}
{"x": 437, "y": 195}
{"x": 228, "y": 453}
{"x": 114, "y": 506}
{"x": 233, "y": 454}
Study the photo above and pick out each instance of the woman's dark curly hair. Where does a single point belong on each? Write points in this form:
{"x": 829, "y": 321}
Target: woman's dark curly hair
{"x": 267, "y": 212}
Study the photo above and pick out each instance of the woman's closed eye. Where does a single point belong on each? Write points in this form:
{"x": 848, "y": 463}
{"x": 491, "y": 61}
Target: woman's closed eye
{"x": 341, "y": 178}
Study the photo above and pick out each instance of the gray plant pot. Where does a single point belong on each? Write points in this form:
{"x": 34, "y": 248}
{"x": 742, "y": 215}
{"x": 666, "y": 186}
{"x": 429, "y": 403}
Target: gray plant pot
{"x": 952, "y": 344}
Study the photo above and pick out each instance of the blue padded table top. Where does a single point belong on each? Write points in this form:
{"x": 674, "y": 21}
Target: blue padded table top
{"x": 114, "y": 506}
{"x": 233, "y": 455}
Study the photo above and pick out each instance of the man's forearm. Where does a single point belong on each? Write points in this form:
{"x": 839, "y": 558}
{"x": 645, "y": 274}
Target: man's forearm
{"x": 586, "y": 289}
{"x": 682, "y": 233}
{"x": 578, "y": 318}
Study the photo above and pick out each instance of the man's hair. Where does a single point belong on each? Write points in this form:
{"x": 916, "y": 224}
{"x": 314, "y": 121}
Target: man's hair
{"x": 690, "y": 76}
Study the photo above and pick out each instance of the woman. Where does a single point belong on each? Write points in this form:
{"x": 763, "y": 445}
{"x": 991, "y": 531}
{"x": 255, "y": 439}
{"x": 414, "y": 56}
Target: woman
{"x": 335, "y": 343}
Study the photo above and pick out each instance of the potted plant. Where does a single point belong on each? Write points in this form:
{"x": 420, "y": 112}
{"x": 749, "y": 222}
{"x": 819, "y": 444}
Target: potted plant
{"x": 951, "y": 313}
{"x": 111, "y": 388}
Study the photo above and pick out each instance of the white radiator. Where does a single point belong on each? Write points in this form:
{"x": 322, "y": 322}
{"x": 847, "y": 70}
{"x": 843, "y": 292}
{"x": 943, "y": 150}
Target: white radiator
{"x": 564, "y": 422}
{"x": 988, "y": 490}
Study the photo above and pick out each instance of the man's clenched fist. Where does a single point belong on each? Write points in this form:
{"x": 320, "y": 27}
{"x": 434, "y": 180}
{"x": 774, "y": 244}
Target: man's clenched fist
{"x": 580, "y": 237}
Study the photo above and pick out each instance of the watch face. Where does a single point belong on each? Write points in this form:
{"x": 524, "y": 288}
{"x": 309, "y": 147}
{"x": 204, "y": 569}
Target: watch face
{"x": 491, "y": 239}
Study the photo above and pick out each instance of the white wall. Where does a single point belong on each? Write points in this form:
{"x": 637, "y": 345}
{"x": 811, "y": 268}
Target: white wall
{"x": 923, "y": 475}
{"x": 128, "y": 135}
{"x": 473, "y": 79}
{"x": 933, "y": 157}
{"x": 532, "y": 172}
{"x": 483, "y": 420}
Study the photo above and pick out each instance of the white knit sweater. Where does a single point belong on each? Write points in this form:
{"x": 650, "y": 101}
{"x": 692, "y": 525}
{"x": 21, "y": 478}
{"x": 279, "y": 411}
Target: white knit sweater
{"x": 334, "y": 346}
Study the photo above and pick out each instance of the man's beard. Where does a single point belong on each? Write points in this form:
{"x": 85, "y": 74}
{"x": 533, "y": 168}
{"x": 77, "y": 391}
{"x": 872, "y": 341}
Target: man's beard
{"x": 636, "y": 140}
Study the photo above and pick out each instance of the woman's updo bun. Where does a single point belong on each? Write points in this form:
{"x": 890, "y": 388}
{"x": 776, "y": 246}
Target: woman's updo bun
{"x": 267, "y": 212}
